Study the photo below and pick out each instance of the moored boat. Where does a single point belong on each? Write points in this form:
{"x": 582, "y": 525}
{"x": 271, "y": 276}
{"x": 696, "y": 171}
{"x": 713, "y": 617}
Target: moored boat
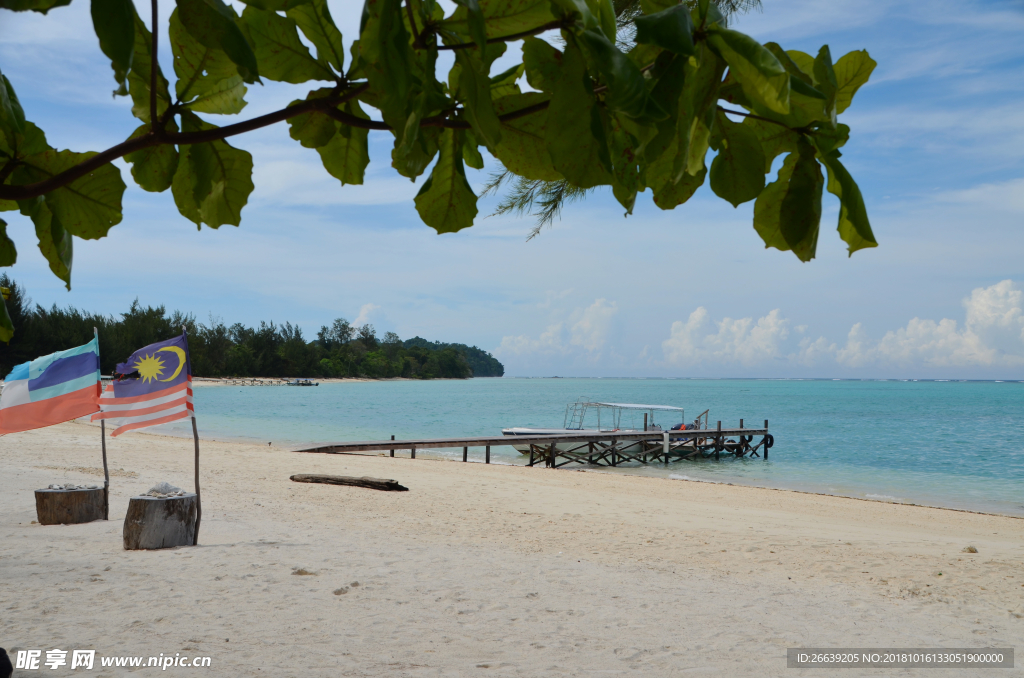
{"x": 585, "y": 415}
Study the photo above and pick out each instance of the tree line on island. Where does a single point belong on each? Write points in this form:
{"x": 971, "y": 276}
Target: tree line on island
{"x": 220, "y": 350}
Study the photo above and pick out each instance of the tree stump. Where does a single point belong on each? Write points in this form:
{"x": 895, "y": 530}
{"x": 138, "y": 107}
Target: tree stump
{"x": 160, "y": 522}
{"x": 69, "y": 507}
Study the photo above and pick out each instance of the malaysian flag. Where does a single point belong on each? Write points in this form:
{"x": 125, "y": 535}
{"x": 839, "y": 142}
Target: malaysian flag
{"x": 154, "y": 386}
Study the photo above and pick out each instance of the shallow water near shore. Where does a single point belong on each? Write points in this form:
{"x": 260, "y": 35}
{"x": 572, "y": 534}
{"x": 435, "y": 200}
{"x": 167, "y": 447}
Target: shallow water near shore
{"x": 940, "y": 443}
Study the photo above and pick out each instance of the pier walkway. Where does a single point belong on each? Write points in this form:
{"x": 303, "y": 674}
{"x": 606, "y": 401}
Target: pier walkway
{"x": 600, "y": 448}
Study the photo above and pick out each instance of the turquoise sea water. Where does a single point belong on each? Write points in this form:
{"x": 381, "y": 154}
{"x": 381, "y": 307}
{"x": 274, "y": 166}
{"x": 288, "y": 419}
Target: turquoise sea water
{"x": 952, "y": 444}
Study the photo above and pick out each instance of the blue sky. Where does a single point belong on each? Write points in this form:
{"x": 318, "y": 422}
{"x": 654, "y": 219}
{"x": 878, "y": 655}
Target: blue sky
{"x": 937, "y": 147}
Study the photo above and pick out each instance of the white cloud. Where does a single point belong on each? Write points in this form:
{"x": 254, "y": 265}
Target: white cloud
{"x": 992, "y": 335}
{"x": 585, "y": 331}
{"x": 364, "y": 314}
{"x": 741, "y": 341}
{"x": 591, "y": 331}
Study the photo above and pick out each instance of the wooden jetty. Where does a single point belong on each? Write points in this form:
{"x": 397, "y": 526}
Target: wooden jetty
{"x": 597, "y": 448}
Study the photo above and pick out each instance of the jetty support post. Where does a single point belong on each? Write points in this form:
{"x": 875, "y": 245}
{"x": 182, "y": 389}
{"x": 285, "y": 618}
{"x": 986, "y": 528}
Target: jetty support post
{"x": 413, "y": 451}
{"x": 465, "y": 454}
{"x": 488, "y": 455}
{"x": 392, "y": 449}
{"x": 665, "y": 446}
{"x": 718, "y": 440}
{"x": 766, "y": 440}
{"x": 551, "y": 455}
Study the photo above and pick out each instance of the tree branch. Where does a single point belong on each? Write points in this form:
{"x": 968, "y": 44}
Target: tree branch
{"x": 416, "y": 42}
{"x": 443, "y": 120}
{"x": 509, "y": 38}
{"x": 26, "y": 191}
{"x": 154, "y": 70}
{"x": 7, "y": 169}
{"x": 743, "y": 114}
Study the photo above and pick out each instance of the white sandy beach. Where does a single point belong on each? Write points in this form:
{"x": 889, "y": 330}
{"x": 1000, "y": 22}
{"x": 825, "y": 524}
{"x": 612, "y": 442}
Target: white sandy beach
{"x": 487, "y": 570}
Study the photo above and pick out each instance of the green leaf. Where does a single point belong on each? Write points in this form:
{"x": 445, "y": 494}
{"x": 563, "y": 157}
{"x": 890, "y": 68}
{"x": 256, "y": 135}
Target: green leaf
{"x": 581, "y": 7}
{"x": 214, "y": 179}
{"x": 213, "y": 24}
{"x": 851, "y": 71}
{"x": 8, "y": 253}
{"x": 470, "y": 153}
{"x": 346, "y": 155}
{"x": 825, "y": 79}
{"x": 655, "y": 6}
{"x": 802, "y": 60}
{"x": 762, "y": 77}
{"x": 787, "y": 214}
{"x": 139, "y": 76}
{"x": 281, "y": 54}
{"x": 12, "y": 117}
{"x": 114, "y": 23}
{"x": 543, "y": 64}
{"x": 627, "y": 91}
{"x": 575, "y": 151}
{"x": 502, "y": 17}
{"x": 504, "y": 84}
{"x": 314, "y": 19}
{"x": 854, "y": 227}
{"x": 697, "y": 106}
{"x": 624, "y": 153}
{"x": 54, "y": 241}
{"x": 737, "y": 173}
{"x": 828, "y": 139}
{"x": 87, "y": 207}
{"x": 208, "y": 81}
{"x": 276, "y": 5}
{"x": 523, "y": 148}
{"x": 606, "y": 17}
{"x": 41, "y": 6}
{"x": 670, "y": 29}
{"x": 446, "y": 202}
{"x": 774, "y": 140}
{"x": 153, "y": 168}
{"x": 387, "y": 58}
{"x": 475, "y": 90}
{"x": 413, "y": 154}
{"x": 315, "y": 128}
{"x": 474, "y": 21}
{"x": 669, "y": 193}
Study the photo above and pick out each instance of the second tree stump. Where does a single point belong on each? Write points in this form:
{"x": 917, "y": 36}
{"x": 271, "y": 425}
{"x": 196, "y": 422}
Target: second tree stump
{"x": 160, "y": 522}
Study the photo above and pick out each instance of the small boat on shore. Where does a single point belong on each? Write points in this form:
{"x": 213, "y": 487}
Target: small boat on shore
{"x": 585, "y": 415}
{"x": 302, "y": 382}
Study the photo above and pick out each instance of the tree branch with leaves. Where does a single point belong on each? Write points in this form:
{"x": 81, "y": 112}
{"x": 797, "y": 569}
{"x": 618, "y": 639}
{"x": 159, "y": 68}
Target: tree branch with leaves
{"x": 634, "y": 96}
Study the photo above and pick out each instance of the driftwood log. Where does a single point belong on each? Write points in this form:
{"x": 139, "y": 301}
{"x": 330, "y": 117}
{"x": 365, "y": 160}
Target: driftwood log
{"x": 160, "y": 522}
{"x": 68, "y": 507}
{"x": 371, "y": 483}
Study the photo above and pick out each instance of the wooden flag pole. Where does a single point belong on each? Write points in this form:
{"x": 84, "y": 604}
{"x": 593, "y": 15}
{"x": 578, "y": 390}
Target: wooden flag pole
{"x": 195, "y": 438}
{"x": 199, "y": 503}
{"x": 103, "y": 444}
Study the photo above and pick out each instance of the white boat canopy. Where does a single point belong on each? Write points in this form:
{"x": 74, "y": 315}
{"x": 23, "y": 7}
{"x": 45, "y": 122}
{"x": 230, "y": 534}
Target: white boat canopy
{"x": 634, "y": 406}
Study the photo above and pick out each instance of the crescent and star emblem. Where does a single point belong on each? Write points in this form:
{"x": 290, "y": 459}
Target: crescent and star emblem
{"x": 151, "y": 367}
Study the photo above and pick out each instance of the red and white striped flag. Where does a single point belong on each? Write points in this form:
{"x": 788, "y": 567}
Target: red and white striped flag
{"x": 160, "y": 394}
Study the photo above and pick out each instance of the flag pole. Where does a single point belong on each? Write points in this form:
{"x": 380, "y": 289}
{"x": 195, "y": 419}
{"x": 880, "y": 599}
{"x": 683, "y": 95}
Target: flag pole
{"x": 103, "y": 442}
{"x": 195, "y": 438}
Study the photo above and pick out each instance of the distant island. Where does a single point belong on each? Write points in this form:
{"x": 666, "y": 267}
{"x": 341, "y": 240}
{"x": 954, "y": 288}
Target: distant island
{"x": 218, "y": 350}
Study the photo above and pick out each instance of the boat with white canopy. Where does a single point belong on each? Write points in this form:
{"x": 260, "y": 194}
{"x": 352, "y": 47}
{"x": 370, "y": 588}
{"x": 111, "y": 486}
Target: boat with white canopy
{"x": 585, "y": 415}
